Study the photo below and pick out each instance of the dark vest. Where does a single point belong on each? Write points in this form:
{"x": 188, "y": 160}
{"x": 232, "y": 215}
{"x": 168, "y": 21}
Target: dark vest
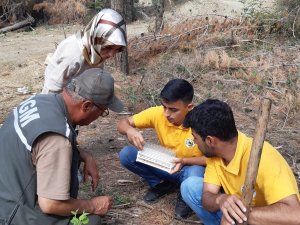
{"x": 18, "y": 195}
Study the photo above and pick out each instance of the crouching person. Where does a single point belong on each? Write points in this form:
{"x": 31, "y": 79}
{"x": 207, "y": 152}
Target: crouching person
{"x": 39, "y": 157}
{"x": 276, "y": 197}
{"x": 176, "y": 101}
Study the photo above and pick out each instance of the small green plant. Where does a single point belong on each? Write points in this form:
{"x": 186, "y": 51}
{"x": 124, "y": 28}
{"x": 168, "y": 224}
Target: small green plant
{"x": 100, "y": 190}
{"x": 180, "y": 69}
{"x": 257, "y": 88}
{"x": 247, "y": 46}
{"x": 219, "y": 85}
{"x": 120, "y": 199}
{"x": 82, "y": 219}
{"x": 292, "y": 81}
{"x": 254, "y": 73}
{"x": 132, "y": 96}
{"x": 208, "y": 95}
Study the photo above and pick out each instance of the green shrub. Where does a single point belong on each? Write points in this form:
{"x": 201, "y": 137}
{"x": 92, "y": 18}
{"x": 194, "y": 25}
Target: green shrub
{"x": 82, "y": 219}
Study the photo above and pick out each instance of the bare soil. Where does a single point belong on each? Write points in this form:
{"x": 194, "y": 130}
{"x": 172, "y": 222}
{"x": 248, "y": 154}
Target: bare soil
{"x": 22, "y": 56}
{"x": 22, "y": 59}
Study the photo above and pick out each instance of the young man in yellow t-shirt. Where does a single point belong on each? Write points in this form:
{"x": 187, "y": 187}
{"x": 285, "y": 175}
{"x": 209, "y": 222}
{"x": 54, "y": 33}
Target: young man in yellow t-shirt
{"x": 176, "y": 101}
{"x": 276, "y": 196}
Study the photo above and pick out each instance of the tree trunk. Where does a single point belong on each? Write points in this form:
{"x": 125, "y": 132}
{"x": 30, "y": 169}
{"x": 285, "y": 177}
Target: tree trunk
{"x": 159, "y": 20}
{"x": 121, "y": 59}
{"x": 107, "y": 4}
{"x": 118, "y": 5}
{"x": 129, "y": 10}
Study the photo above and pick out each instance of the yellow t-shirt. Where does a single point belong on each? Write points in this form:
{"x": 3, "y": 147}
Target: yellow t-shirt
{"x": 275, "y": 179}
{"x": 176, "y": 138}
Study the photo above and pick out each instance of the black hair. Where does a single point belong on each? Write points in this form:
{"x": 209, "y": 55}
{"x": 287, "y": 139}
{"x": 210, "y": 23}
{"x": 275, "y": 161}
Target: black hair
{"x": 212, "y": 118}
{"x": 177, "y": 89}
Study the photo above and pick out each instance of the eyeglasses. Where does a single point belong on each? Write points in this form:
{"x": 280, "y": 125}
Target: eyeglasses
{"x": 104, "y": 112}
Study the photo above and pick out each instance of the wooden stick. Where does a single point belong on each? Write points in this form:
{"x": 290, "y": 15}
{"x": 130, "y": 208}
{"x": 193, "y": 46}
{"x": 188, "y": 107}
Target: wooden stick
{"x": 256, "y": 150}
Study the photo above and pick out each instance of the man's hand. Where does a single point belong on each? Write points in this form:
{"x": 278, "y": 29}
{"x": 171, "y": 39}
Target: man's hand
{"x": 178, "y": 165}
{"x": 232, "y": 208}
{"x": 101, "y": 204}
{"x": 89, "y": 169}
{"x": 135, "y": 137}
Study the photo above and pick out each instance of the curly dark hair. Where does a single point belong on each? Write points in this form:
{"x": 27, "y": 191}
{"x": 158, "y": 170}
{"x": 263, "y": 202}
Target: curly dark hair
{"x": 212, "y": 118}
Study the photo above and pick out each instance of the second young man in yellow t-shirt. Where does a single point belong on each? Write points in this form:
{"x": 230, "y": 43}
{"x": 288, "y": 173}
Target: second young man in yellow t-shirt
{"x": 276, "y": 197}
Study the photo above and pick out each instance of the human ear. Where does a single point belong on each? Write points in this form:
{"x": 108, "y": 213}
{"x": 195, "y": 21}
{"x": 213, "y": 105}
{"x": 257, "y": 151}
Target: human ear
{"x": 87, "y": 105}
{"x": 209, "y": 140}
{"x": 190, "y": 106}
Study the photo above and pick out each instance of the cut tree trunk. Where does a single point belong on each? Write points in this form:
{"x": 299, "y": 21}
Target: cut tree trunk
{"x": 29, "y": 21}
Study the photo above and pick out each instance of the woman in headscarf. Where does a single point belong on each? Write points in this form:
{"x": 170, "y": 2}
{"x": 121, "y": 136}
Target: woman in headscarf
{"x": 102, "y": 38}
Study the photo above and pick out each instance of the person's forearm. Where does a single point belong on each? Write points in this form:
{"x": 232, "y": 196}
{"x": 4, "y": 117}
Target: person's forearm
{"x": 84, "y": 155}
{"x": 123, "y": 126}
{"x": 276, "y": 214}
{"x": 64, "y": 208}
{"x": 210, "y": 201}
{"x": 201, "y": 161}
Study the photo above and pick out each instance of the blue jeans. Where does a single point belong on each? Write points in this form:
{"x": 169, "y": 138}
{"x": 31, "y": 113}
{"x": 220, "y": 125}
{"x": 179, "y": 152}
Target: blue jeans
{"x": 191, "y": 191}
{"x": 153, "y": 175}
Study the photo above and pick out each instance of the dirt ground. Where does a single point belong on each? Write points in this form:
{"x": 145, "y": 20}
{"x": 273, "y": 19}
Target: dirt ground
{"x": 22, "y": 56}
{"x": 22, "y": 59}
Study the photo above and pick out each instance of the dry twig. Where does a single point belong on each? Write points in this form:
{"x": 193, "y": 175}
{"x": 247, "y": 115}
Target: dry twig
{"x": 126, "y": 205}
{"x": 293, "y": 29}
{"x": 286, "y": 118}
{"x": 126, "y": 182}
{"x": 143, "y": 204}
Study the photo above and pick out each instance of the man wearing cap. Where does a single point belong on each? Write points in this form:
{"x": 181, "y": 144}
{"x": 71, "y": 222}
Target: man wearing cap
{"x": 39, "y": 157}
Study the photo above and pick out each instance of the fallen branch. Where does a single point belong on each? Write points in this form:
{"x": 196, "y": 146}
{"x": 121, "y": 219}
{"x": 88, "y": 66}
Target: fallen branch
{"x": 19, "y": 25}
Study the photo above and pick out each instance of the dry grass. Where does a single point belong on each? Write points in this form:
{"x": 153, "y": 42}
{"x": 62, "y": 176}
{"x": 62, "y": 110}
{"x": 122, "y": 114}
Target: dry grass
{"x": 228, "y": 59}
{"x": 62, "y": 11}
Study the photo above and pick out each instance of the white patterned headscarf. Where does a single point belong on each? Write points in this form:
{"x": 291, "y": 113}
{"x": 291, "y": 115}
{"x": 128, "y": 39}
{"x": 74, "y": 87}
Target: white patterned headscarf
{"x": 106, "y": 28}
